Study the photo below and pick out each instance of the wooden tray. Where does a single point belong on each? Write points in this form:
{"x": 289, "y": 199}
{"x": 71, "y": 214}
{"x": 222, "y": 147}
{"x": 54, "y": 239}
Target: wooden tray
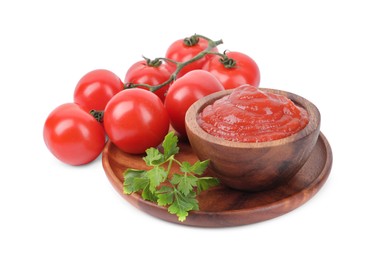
{"x": 221, "y": 206}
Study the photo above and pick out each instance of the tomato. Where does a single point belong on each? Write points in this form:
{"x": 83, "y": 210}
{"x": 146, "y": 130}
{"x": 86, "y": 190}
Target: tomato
{"x": 185, "y": 49}
{"x": 135, "y": 119}
{"x": 151, "y": 73}
{"x": 187, "y": 90}
{"x": 244, "y": 71}
{"x": 96, "y": 88}
{"x": 73, "y": 135}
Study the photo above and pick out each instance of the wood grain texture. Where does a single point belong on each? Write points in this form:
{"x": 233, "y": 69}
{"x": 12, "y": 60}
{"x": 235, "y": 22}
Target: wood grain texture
{"x": 222, "y": 206}
{"x": 253, "y": 166}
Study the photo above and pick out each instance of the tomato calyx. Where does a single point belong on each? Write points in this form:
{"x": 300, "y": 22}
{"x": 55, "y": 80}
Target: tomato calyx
{"x": 179, "y": 65}
{"x": 228, "y": 63}
{"x": 97, "y": 114}
{"x": 191, "y": 41}
{"x": 153, "y": 63}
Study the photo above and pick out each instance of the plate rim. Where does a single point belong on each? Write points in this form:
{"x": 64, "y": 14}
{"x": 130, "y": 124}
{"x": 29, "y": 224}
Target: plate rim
{"x": 311, "y": 189}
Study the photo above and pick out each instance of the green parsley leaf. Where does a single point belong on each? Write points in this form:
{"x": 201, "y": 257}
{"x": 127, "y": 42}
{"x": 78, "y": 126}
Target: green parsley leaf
{"x": 186, "y": 167}
{"x": 170, "y": 145}
{"x": 205, "y": 183}
{"x": 140, "y": 183}
{"x": 156, "y": 176}
{"x": 147, "y": 194}
{"x": 199, "y": 167}
{"x": 153, "y": 157}
{"x": 182, "y": 204}
{"x": 130, "y": 176}
{"x": 185, "y": 182}
{"x": 178, "y": 193}
{"x": 165, "y": 196}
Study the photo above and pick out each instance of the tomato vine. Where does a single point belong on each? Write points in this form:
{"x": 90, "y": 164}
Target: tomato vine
{"x": 189, "y": 41}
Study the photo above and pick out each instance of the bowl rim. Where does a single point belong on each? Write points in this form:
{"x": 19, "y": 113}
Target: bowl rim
{"x": 195, "y": 108}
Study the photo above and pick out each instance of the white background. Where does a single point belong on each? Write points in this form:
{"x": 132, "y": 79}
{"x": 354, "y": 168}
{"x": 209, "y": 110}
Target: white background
{"x": 326, "y": 51}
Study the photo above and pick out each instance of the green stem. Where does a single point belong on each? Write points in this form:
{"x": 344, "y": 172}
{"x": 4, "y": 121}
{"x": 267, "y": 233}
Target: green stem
{"x": 219, "y": 54}
{"x": 176, "y": 161}
{"x": 169, "y": 60}
{"x": 170, "y": 165}
{"x": 180, "y": 65}
{"x": 170, "y": 161}
{"x": 203, "y": 37}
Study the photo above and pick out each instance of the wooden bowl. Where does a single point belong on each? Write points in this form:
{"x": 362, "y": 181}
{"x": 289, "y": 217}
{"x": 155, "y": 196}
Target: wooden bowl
{"x": 253, "y": 166}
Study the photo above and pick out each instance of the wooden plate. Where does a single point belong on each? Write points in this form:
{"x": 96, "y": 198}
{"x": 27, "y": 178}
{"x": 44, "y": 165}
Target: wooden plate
{"x": 221, "y": 206}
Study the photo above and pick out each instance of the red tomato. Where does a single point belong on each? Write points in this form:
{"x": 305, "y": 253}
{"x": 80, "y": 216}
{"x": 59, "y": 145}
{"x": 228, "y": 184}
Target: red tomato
{"x": 135, "y": 120}
{"x": 187, "y": 90}
{"x": 152, "y": 74}
{"x": 73, "y": 135}
{"x": 244, "y": 71}
{"x": 96, "y": 88}
{"x": 185, "y": 49}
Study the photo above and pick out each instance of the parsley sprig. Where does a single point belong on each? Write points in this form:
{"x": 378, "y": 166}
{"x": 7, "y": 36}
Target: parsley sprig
{"x": 179, "y": 191}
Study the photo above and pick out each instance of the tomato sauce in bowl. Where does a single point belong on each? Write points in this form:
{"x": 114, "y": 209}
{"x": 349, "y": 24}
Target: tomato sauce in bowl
{"x": 253, "y": 165}
{"x": 249, "y": 114}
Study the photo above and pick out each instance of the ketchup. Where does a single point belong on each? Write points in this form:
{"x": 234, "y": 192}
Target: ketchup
{"x": 251, "y": 115}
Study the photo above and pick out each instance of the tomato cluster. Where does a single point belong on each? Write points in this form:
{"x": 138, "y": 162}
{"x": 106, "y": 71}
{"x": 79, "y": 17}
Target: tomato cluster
{"x": 136, "y": 114}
